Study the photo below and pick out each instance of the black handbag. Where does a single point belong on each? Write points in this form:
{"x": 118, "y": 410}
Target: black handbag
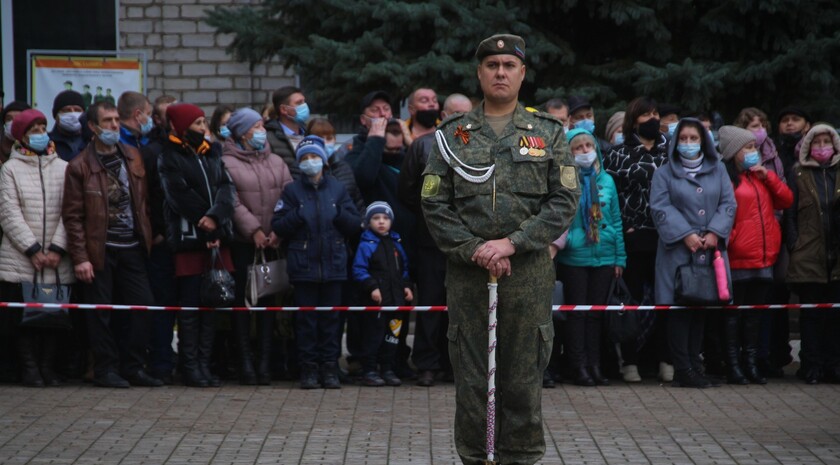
{"x": 695, "y": 283}
{"x": 217, "y": 285}
{"x": 624, "y": 325}
{"x": 43, "y": 317}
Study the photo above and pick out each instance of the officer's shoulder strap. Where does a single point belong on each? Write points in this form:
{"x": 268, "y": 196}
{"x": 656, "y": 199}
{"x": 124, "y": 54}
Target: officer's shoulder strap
{"x": 544, "y": 115}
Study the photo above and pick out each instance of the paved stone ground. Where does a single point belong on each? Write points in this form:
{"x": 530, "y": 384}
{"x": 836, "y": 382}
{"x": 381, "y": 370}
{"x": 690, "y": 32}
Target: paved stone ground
{"x": 783, "y": 422}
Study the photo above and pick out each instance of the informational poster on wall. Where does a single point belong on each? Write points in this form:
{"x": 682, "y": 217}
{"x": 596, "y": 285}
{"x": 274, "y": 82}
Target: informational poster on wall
{"x": 97, "y": 78}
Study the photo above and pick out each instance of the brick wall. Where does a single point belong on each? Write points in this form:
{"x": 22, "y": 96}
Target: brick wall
{"x": 185, "y": 57}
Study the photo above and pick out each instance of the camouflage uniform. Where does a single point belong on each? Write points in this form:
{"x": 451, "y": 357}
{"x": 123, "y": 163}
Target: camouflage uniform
{"x": 535, "y": 196}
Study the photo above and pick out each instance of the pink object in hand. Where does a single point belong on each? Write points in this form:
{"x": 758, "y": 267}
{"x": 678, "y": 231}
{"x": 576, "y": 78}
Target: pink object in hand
{"x": 720, "y": 276}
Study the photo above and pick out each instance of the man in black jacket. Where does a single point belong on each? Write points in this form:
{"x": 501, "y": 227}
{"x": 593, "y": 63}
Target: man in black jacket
{"x": 285, "y": 132}
{"x": 430, "y": 354}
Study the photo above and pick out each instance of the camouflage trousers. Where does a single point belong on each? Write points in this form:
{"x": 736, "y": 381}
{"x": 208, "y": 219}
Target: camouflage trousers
{"x": 524, "y": 335}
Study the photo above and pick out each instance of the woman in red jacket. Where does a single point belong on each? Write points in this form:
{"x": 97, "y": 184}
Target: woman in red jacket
{"x": 753, "y": 247}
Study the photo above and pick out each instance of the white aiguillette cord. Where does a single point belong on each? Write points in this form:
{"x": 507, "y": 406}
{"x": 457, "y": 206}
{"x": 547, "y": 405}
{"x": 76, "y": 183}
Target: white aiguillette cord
{"x": 448, "y": 156}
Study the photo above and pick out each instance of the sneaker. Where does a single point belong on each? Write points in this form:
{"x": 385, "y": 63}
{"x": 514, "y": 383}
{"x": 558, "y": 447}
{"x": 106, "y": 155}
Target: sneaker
{"x": 630, "y": 373}
{"x": 372, "y": 379}
{"x": 391, "y": 379}
{"x": 666, "y": 372}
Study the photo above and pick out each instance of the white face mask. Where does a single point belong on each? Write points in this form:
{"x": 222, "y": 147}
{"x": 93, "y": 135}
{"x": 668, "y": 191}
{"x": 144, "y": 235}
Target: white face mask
{"x": 7, "y": 129}
{"x": 70, "y": 121}
{"x": 585, "y": 160}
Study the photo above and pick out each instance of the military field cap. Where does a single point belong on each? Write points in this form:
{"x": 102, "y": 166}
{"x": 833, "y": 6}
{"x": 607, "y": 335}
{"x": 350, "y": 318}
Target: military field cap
{"x": 501, "y": 44}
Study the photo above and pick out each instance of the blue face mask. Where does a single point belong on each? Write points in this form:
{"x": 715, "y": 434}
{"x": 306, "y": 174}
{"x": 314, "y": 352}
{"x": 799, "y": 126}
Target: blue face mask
{"x": 750, "y": 159}
{"x": 224, "y": 132}
{"x": 688, "y": 151}
{"x": 331, "y": 148}
{"x": 257, "y": 141}
{"x": 586, "y": 124}
{"x": 38, "y": 142}
{"x": 619, "y": 138}
{"x": 312, "y": 166}
{"x": 108, "y": 137}
{"x": 671, "y": 128}
{"x": 301, "y": 113}
{"x": 147, "y": 126}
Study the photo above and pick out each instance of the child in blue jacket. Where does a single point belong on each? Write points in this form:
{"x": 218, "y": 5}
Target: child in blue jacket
{"x": 381, "y": 269}
{"x": 315, "y": 216}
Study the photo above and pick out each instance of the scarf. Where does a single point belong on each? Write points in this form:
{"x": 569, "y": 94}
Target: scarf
{"x": 591, "y": 205}
{"x": 770, "y": 158}
{"x": 26, "y": 151}
{"x": 692, "y": 166}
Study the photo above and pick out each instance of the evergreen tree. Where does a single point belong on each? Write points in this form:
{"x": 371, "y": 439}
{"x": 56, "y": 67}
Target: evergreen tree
{"x": 701, "y": 55}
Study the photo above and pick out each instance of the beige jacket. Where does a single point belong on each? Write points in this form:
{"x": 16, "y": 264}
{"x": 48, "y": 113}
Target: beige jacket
{"x": 31, "y": 190}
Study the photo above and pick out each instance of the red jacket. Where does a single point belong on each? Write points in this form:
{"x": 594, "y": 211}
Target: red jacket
{"x": 756, "y": 235}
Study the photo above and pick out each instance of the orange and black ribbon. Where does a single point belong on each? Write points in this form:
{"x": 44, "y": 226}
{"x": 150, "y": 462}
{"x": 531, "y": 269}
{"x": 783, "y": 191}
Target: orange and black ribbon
{"x": 464, "y": 135}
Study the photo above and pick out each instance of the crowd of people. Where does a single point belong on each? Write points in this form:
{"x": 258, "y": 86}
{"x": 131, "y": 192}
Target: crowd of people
{"x": 132, "y": 203}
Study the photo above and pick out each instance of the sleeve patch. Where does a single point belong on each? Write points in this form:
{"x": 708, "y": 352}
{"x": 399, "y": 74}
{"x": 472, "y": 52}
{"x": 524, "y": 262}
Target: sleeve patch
{"x": 568, "y": 177}
{"x": 431, "y": 185}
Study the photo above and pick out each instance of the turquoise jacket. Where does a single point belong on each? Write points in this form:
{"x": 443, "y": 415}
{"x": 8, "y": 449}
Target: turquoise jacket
{"x": 609, "y": 251}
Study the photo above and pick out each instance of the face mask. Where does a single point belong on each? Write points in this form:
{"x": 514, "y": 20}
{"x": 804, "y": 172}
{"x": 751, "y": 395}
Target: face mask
{"x": 38, "y": 142}
{"x": 301, "y": 113}
{"x": 585, "y": 160}
{"x": 649, "y": 129}
{"x": 257, "y": 141}
{"x": 586, "y": 124}
{"x": 7, "y": 128}
{"x": 224, "y": 132}
{"x": 566, "y": 128}
{"x": 108, "y": 137}
{"x": 820, "y": 154}
{"x": 760, "y": 136}
{"x": 193, "y": 138}
{"x": 751, "y": 159}
{"x": 671, "y": 128}
{"x": 688, "y": 151}
{"x": 372, "y": 121}
{"x": 70, "y": 121}
{"x": 311, "y": 167}
{"x": 147, "y": 126}
{"x": 427, "y": 118}
{"x": 619, "y": 138}
{"x": 712, "y": 136}
{"x": 331, "y": 148}
{"x": 790, "y": 139}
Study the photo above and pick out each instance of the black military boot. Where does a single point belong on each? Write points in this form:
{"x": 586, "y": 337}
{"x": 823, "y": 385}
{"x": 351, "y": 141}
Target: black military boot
{"x": 242, "y": 330}
{"x": 752, "y": 328}
{"x": 732, "y": 348}
{"x": 690, "y": 379}
{"x": 30, "y": 376}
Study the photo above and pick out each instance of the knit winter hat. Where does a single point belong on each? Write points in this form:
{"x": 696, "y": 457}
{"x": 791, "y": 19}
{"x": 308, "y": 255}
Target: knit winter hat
{"x": 378, "y": 207}
{"x": 67, "y": 97}
{"x": 241, "y": 121}
{"x": 311, "y": 144}
{"x": 733, "y": 139}
{"x": 14, "y": 105}
{"x": 614, "y": 124}
{"x": 793, "y": 110}
{"x": 182, "y": 115}
{"x": 25, "y": 120}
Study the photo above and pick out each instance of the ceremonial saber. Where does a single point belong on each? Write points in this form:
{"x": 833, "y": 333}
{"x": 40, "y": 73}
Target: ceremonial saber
{"x": 492, "y": 287}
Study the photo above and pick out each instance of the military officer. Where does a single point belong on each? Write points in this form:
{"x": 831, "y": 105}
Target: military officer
{"x": 499, "y": 186}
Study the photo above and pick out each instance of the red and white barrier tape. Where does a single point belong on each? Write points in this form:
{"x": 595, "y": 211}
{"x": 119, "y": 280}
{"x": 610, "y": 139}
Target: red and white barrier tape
{"x": 562, "y": 308}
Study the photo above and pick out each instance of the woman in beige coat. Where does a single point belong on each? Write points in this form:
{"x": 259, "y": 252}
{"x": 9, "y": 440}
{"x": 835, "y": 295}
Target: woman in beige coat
{"x": 34, "y": 241}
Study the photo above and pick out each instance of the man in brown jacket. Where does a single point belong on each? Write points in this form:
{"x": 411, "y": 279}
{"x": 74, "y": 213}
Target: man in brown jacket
{"x": 106, "y": 216}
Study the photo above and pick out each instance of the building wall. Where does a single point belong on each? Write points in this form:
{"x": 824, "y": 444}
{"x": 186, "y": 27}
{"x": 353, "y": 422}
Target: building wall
{"x": 187, "y": 59}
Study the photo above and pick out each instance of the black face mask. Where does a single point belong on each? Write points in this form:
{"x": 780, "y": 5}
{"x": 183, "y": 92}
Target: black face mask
{"x": 427, "y": 118}
{"x": 193, "y": 138}
{"x": 790, "y": 139}
{"x": 650, "y": 129}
